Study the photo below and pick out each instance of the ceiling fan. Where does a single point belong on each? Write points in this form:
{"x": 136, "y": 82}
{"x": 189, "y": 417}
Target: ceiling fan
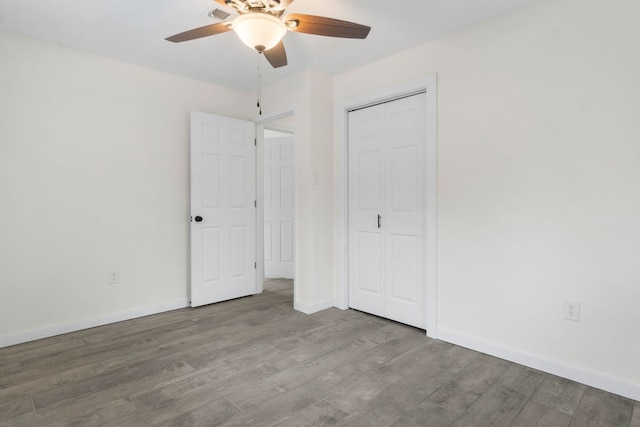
{"x": 261, "y": 26}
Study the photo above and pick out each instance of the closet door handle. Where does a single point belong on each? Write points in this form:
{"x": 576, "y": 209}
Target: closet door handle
{"x": 379, "y": 221}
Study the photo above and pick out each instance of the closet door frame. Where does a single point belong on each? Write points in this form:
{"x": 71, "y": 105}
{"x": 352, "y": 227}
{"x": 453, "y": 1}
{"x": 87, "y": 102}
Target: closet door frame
{"x": 427, "y": 84}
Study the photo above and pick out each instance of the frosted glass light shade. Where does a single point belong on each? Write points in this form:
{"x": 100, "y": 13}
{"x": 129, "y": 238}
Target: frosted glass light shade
{"x": 259, "y": 31}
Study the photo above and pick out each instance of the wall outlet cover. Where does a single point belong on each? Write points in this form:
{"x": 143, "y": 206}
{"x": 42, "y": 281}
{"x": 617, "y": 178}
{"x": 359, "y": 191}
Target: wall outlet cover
{"x": 571, "y": 310}
{"x": 113, "y": 277}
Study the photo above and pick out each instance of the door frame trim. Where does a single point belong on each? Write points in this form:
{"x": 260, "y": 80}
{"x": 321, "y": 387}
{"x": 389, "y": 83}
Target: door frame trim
{"x": 260, "y": 122}
{"x": 342, "y": 108}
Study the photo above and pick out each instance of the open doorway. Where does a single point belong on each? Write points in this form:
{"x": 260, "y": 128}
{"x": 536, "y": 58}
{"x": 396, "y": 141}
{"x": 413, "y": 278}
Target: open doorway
{"x": 278, "y": 203}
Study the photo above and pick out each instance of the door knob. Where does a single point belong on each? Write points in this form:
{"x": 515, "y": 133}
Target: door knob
{"x": 198, "y": 218}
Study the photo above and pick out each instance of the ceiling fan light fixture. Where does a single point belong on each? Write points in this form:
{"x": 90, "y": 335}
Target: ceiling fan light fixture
{"x": 259, "y": 31}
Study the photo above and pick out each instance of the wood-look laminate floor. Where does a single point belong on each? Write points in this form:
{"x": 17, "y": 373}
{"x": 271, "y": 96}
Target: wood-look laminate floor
{"x": 257, "y": 362}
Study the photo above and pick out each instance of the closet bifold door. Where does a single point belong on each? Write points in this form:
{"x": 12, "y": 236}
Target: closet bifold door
{"x": 386, "y": 149}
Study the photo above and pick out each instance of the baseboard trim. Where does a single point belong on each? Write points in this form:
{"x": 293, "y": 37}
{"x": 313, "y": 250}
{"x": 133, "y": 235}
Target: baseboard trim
{"x": 312, "y": 308}
{"x": 588, "y": 377}
{"x": 106, "y": 319}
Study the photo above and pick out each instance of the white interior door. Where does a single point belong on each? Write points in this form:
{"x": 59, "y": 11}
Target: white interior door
{"x": 387, "y": 205}
{"x": 366, "y": 186}
{"x": 223, "y": 221}
{"x": 279, "y": 207}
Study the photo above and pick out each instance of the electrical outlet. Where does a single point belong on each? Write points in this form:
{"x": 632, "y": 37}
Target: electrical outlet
{"x": 572, "y": 310}
{"x": 113, "y": 277}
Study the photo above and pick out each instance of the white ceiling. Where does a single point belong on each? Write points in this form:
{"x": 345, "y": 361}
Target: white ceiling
{"x": 134, "y": 31}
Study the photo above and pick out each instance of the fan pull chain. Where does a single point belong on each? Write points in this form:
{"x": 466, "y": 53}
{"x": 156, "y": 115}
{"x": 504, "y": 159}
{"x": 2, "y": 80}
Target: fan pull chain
{"x": 259, "y": 85}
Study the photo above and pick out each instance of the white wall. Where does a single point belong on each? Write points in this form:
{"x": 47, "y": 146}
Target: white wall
{"x": 310, "y": 94}
{"x": 538, "y": 183}
{"x": 94, "y": 175}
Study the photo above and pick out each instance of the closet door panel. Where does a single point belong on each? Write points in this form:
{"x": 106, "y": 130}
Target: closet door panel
{"x": 387, "y": 192}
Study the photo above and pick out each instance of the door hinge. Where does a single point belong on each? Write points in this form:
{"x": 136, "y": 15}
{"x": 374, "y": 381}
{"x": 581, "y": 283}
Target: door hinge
{"x": 255, "y": 203}
{"x": 255, "y": 141}
{"x": 255, "y": 265}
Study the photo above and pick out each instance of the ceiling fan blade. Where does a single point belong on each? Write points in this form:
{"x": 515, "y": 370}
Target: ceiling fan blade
{"x": 322, "y": 26}
{"x": 276, "y": 56}
{"x": 196, "y": 33}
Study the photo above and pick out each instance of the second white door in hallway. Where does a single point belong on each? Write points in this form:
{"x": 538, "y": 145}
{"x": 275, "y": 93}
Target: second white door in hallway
{"x": 279, "y": 207}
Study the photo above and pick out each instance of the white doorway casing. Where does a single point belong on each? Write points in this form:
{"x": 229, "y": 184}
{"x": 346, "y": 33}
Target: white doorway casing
{"x": 287, "y": 114}
{"x": 341, "y": 215}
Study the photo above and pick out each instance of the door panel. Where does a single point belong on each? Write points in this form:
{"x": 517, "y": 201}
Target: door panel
{"x": 237, "y": 252}
{"x": 369, "y": 183}
{"x": 366, "y": 162}
{"x": 402, "y": 175}
{"x": 286, "y": 187}
{"x": 286, "y": 241}
{"x": 386, "y": 148}
{"x": 222, "y": 196}
{"x": 279, "y": 207}
{"x": 405, "y": 211}
{"x": 369, "y": 249}
{"x": 268, "y": 244}
{"x": 210, "y": 181}
{"x": 211, "y": 252}
{"x": 403, "y": 268}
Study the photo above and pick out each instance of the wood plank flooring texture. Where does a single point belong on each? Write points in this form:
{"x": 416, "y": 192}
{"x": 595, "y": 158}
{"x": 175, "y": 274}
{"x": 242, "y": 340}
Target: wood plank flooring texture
{"x": 256, "y": 362}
